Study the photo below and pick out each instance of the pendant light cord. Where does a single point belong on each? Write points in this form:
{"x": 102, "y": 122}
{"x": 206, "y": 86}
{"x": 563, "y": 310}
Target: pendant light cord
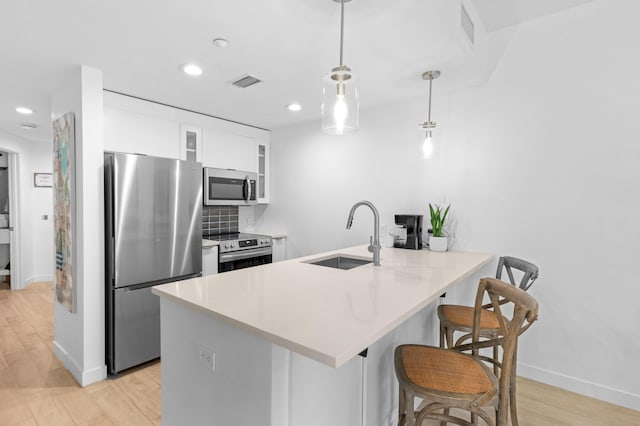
{"x": 429, "y": 113}
{"x": 341, "y": 28}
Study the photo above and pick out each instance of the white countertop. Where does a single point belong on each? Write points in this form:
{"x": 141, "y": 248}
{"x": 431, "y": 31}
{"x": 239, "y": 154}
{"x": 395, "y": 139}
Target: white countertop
{"x": 209, "y": 243}
{"x": 326, "y": 314}
{"x": 274, "y": 235}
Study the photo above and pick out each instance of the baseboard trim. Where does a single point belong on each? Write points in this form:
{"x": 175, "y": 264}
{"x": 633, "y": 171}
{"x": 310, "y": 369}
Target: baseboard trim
{"x": 94, "y": 375}
{"x": 37, "y": 279}
{"x": 84, "y": 378}
{"x": 583, "y": 387}
{"x": 68, "y": 362}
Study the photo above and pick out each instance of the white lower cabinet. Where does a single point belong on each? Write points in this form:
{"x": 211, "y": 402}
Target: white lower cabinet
{"x": 209, "y": 260}
{"x": 279, "y": 249}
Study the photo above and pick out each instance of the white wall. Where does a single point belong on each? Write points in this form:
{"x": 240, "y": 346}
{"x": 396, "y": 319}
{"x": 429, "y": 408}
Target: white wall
{"x": 36, "y": 234}
{"x": 39, "y": 160}
{"x": 316, "y": 178}
{"x": 79, "y": 336}
{"x": 540, "y": 163}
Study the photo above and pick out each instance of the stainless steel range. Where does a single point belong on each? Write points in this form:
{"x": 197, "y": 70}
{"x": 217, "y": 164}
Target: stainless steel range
{"x": 239, "y": 250}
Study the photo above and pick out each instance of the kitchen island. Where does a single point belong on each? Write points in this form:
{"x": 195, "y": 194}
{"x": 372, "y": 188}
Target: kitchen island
{"x": 278, "y": 344}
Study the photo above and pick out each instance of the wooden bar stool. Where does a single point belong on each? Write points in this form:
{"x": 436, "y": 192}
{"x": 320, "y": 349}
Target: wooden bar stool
{"x": 457, "y": 318}
{"x": 450, "y": 378}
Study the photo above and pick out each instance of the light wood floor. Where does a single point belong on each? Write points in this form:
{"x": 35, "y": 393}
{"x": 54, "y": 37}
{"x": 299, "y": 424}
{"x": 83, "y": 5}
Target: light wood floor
{"x": 35, "y": 389}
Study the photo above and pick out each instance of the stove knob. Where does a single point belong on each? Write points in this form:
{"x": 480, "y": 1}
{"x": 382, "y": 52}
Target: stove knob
{"x": 226, "y": 246}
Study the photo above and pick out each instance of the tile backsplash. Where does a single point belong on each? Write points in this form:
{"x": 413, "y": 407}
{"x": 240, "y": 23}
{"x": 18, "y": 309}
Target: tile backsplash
{"x": 219, "y": 220}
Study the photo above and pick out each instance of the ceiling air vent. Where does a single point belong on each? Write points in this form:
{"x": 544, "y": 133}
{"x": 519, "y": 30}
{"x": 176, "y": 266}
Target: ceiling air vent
{"x": 467, "y": 24}
{"x": 245, "y": 81}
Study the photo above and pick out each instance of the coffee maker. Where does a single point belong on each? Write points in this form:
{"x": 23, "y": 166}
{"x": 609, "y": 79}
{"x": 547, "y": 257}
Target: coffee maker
{"x": 413, "y": 225}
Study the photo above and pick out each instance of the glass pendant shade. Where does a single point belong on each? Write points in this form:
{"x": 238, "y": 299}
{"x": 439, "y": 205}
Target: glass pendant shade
{"x": 340, "y": 102}
{"x": 427, "y": 131}
{"x": 427, "y": 140}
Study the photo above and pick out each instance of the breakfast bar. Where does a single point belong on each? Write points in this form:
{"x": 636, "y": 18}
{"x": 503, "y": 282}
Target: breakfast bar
{"x": 278, "y": 344}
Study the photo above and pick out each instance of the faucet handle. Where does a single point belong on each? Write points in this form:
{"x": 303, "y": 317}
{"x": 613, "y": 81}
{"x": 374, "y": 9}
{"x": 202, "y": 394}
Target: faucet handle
{"x": 370, "y": 248}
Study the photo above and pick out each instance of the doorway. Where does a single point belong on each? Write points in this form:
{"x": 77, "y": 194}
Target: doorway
{"x": 10, "y": 276}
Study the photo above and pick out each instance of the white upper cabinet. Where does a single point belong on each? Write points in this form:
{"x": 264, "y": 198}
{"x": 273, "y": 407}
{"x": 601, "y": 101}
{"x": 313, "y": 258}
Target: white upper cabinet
{"x": 228, "y": 151}
{"x": 262, "y": 149}
{"x": 143, "y": 127}
{"x": 190, "y": 143}
{"x": 127, "y": 131}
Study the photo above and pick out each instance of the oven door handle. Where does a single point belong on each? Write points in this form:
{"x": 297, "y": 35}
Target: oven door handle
{"x": 245, "y": 254}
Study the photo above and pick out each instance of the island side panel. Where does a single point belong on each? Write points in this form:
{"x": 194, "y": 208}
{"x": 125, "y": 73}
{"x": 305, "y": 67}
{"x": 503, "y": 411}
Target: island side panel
{"x": 321, "y": 395}
{"x": 238, "y": 392}
{"x": 381, "y": 383}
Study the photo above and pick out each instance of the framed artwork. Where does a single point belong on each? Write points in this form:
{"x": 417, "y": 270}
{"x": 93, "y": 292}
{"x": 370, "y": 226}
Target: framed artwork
{"x": 44, "y": 180}
{"x": 63, "y": 181}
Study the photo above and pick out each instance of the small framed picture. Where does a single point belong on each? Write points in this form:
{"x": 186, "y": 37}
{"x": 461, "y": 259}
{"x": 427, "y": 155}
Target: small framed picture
{"x": 43, "y": 179}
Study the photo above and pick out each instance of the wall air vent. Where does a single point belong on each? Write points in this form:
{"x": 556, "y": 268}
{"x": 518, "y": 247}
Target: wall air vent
{"x": 467, "y": 24}
{"x": 245, "y": 81}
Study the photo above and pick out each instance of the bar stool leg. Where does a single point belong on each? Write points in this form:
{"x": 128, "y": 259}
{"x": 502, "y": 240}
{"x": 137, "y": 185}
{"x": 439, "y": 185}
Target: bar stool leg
{"x": 401, "y": 408}
{"x": 512, "y": 390}
{"x": 443, "y": 331}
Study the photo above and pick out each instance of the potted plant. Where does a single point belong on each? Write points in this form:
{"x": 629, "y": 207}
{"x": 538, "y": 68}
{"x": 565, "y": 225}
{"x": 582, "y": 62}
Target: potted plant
{"x": 438, "y": 242}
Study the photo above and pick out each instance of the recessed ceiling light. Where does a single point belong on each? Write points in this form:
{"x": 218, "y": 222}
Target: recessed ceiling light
{"x": 28, "y": 126}
{"x": 24, "y": 110}
{"x": 220, "y": 42}
{"x": 293, "y": 107}
{"x": 191, "y": 69}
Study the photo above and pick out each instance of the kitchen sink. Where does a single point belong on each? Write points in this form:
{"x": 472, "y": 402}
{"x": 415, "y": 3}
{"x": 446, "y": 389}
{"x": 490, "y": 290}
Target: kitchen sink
{"x": 340, "y": 262}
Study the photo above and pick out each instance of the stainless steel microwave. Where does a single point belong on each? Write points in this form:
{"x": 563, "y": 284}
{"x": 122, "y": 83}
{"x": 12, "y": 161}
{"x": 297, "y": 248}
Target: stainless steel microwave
{"x": 228, "y": 187}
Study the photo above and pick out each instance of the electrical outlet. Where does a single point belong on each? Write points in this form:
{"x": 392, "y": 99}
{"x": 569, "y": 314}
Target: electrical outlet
{"x": 207, "y": 357}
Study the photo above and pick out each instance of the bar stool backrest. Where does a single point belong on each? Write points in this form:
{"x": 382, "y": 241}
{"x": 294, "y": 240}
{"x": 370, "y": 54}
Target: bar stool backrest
{"x": 528, "y": 269}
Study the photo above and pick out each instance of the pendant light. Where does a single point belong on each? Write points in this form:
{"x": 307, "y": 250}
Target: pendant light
{"x": 427, "y": 130}
{"x": 340, "y": 94}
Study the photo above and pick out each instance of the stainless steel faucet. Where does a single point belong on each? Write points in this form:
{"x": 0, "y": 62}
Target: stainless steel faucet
{"x": 374, "y": 242}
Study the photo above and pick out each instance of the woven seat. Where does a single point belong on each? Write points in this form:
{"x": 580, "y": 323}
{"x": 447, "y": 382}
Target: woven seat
{"x": 445, "y": 371}
{"x": 463, "y": 317}
{"x": 450, "y": 378}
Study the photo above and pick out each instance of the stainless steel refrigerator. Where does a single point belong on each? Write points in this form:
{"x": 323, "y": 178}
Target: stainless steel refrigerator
{"x": 153, "y": 227}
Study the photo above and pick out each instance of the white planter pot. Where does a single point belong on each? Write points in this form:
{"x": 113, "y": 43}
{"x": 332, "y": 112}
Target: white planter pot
{"x": 438, "y": 243}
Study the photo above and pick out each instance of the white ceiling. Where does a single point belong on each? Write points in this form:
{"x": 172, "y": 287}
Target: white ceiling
{"x": 289, "y": 44}
{"x": 498, "y": 14}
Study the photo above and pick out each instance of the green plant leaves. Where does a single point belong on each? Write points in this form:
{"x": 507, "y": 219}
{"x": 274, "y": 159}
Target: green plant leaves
{"x": 437, "y": 218}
